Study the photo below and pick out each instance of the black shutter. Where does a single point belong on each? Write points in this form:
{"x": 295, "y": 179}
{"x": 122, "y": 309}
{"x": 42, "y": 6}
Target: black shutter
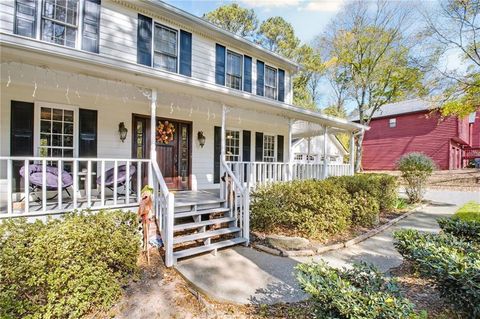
{"x": 246, "y": 146}
{"x": 220, "y": 64}
{"x": 91, "y": 26}
{"x": 280, "y": 149}
{"x": 21, "y": 129}
{"x": 281, "y": 85}
{"x": 217, "y": 149}
{"x": 260, "y": 77}
{"x": 258, "y": 147}
{"x": 247, "y": 74}
{"x": 87, "y": 133}
{"x": 25, "y": 18}
{"x": 185, "y": 53}
{"x": 144, "y": 40}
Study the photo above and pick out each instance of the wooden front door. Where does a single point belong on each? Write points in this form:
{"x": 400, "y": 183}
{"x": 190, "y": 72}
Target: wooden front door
{"x": 173, "y": 157}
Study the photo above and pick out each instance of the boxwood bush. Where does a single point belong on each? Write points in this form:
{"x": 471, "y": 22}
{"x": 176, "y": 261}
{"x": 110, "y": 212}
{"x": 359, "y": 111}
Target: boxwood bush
{"x": 453, "y": 264}
{"x": 66, "y": 267}
{"x": 365, "y": 209}
{"x": 310, "y": 208}
{"x": 361, "y": 292}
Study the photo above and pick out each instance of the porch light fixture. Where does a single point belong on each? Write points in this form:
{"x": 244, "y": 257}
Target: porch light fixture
{"x": 201, "y": 138}
{"x": 122, "y": 130}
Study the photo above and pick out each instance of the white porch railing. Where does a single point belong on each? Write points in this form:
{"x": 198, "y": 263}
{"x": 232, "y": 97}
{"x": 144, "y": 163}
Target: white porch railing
{"x": 237, "y": 199}
{"x": 252, "y": 174}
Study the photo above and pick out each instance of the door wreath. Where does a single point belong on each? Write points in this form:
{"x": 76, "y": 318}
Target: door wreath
{"x": 165, "y": 132}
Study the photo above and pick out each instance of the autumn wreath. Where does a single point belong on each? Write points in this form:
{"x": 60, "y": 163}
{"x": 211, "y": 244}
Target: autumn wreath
{"x": 165, "y": 132}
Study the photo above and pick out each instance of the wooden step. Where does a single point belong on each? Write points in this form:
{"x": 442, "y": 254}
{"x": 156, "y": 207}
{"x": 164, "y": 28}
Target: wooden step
{"x": 203, "y": 223}
{"x": 201, "y": 212}
{"x": 206, "y": 234}
{"x": 199, "y": 202}
{"x": 207, "y": 248}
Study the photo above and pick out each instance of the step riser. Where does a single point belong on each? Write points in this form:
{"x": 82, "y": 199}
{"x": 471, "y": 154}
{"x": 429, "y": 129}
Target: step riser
{"x": 205, "y": 235}
{"x": 187, "y": 208}
{"x": 204, "y": 249}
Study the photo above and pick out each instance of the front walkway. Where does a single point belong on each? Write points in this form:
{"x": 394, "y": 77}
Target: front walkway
{"x": 243, "y": 275}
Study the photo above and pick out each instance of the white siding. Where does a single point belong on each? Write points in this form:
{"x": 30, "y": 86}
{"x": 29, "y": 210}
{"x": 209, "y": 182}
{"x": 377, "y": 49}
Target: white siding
{"x": 6, "y": 15}
{"x": 203, "y": 58}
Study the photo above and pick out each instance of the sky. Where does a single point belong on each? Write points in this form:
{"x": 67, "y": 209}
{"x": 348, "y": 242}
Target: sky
{"x": 308, "y": 17}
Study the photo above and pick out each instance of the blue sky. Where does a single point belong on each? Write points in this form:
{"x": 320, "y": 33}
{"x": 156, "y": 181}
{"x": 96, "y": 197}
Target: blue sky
{"x": 308, "y": 18}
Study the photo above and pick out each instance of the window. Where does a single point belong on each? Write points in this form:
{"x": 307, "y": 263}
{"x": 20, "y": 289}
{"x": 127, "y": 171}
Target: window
{"x": 25, "y": 11}
{"x": 165, "y": 48}
{"x": 392, "y": 122}
{"x": 234, "y": 70}
{"x": 268, "y": 148}
{"x": 60, "y": 21}
{"x": 56, "y": 132}
{"x": 270, "y": 82}
{"x": 232, "y": 145}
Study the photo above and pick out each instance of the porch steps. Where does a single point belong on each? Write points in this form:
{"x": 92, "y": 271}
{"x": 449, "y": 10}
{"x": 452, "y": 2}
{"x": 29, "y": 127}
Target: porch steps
{"x": 207, "y": 234}
{"x": 201, "y": 212}
{"x": 210, "y": 222}
{"x": 207, "y": 248}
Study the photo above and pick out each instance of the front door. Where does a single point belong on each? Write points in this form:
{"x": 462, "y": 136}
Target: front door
{"x": 173, "y": 146}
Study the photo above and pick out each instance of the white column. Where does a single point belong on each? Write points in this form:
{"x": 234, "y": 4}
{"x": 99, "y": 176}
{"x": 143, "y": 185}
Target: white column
{"x": 290, "y": 150}
{"x": 153, "y": 125}
{"x": 352, "y": 153}
{"x": 309, "y": 148}
{"x": 325, "y": 152}
{"x": 222, "y": 144}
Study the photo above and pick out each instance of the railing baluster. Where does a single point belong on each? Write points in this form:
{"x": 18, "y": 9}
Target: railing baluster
{"x": 102, "y": 183}
{"x": 88, "y": 191}
{"x": 44, "y": 185}
{"x": 139, "y": 181}
{"x": 127, "y": 182}
{"x": 115, "y": 178}
{"x": 10, "y": 186}
{"x": 59, "y": 183}
{"x": 75, "y": 183}
{"x": 26, "y": 185}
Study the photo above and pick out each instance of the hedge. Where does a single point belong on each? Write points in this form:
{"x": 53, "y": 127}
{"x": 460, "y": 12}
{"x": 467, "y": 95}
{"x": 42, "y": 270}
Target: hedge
{"x": 320, "y": 208}
{"x": 361, "y": 292}
{"x": 463, "y": 229}
{"x": 66, "y": 267}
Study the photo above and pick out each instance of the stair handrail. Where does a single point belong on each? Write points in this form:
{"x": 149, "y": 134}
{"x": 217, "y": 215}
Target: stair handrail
{"x": 164, "y": 211}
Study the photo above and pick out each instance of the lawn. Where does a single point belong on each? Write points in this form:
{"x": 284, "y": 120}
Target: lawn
{"x": 470, "y": 211}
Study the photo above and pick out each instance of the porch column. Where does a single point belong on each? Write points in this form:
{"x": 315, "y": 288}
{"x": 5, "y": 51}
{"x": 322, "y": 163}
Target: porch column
{"x": 325, "y": 151}
{"x": 223, "y": 194}
{"x": 309, "y": 149}
{"x": 352, "y": 153}
{"x": 290, "y": 150}
{"x": 153, "y": 124}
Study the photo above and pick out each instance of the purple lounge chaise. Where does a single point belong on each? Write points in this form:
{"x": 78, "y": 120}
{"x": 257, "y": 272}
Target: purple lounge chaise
{"x": 35, "y": 178}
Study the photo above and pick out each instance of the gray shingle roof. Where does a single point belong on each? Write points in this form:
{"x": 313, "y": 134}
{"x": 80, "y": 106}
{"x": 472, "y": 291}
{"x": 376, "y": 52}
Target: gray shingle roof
{"x": 403, "y": 107}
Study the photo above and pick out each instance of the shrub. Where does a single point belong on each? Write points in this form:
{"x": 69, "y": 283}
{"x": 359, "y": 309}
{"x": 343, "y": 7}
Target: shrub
{"x": 382, "y": 187}
{"x": 466, "y": 230}
{"x": 311, "y": 208}
{"x": 66, "y": 267}
{"x": 469, "y": 212}
{"x": 415, "y": 168}
{"x": 361, "y": 292}
{"x": 453, "y": 264}
{"x": 365, "y": 209}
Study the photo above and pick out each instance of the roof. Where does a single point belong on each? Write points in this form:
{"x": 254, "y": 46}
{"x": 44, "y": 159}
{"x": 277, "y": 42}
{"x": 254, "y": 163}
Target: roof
{"x": 199, "y": 24}
{"x": 403, "y": 107}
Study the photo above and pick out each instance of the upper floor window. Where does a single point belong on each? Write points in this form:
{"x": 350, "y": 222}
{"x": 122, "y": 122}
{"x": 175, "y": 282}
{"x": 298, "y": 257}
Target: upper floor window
{"x": 165, "y": 48}
{"x": 60, "y": 21}
{"x": 234, "y": 70}
{"x": 25, "y": 18}
{"x": 392, "y": 122}
{"x": 270, "y": 82}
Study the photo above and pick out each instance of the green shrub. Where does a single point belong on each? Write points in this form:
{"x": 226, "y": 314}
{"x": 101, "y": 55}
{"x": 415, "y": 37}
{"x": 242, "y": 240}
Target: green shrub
{"x": 382, "y": 187}
{"x": 466, "y": 230}
{"x": 365, "y": 209}
{"x": 453, "y": 264}
{"x": 361, "y": 292}
{"x": 66, "y": 267}
{"x": 415, "y": 168}
{"x": 310, "y": 208}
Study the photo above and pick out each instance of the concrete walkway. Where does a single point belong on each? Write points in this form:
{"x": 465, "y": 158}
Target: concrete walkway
{"x": 243, "y": 275}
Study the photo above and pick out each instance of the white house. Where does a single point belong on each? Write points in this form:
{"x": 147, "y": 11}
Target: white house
{"x": 83, "y": 84}
{"x": 311, "y": 150}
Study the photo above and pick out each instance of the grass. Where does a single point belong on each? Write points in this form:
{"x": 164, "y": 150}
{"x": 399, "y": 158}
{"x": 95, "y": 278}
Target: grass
{"x": 469, "y": 212}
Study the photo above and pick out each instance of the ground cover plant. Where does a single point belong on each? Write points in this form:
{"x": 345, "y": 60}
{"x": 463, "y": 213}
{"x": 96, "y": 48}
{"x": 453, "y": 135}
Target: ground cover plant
{"x": 66, "y": 267}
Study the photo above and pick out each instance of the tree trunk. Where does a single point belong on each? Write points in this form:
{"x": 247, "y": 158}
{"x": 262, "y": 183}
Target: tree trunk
{"x": 358, "y": 155}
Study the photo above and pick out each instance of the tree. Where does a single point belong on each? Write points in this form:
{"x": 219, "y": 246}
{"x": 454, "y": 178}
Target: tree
{"x": 454, "y": 30}
{"x": 371, "y": 58}
{"x": 277, "y": 35}
{"x": 233, "y": 18}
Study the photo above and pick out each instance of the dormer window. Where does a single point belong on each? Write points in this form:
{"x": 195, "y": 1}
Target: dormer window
{"x": 60, "y": 22}
{"x": 392, "y": 122}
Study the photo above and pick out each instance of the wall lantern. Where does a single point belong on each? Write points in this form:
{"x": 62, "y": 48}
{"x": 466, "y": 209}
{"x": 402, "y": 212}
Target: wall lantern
{"x": 122, "y": 130}
{"x": 201, "y": 138}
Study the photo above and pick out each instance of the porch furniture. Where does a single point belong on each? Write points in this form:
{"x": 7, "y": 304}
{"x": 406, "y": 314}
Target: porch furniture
{"x": 35, "y": 179}
{"x": 121, "y": 179}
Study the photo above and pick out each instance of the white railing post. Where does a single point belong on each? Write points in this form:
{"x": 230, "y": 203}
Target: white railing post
{"x": 352, "y": 153}
{"x": 325, "y": 152}
{"x": 44, "y": 185}
{"x": 153, "y": 126}
{"x": 169, "y": 231}
{"x": 9, "y": 186}
{"x": 59, "y": 183}
{"x": 26, "y": 177}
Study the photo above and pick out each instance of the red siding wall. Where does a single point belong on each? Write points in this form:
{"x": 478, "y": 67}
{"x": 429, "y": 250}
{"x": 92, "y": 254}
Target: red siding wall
{"x": 476, "y": 131}
{"x": 464, "y": 130}
{"x": 415, "y": 132}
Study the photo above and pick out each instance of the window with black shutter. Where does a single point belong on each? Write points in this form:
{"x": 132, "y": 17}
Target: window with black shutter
{"x": 144, "y": 40}
{"x": 91, "y": 26}
{"x": 258, "y": 147}
{"x": 246, "y": 146}
{"x": 185, "y": 53}
{"x": 247, "y": 73}
{"x": 87, "y": 133}
{"x": 280, "y": 142}
{"x": 281, "y": 85}
{"x": 260, "y": 77}
{"x": 220, "y": 64}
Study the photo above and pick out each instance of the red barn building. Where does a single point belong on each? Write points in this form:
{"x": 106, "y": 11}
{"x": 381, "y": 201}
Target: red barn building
{"x": 413, "y": 126}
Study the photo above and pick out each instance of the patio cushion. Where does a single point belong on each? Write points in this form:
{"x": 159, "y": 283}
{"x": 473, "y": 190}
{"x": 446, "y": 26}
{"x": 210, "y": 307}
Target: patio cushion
{"x": 121, "y": 175}
{"x": 51, "y": 172}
